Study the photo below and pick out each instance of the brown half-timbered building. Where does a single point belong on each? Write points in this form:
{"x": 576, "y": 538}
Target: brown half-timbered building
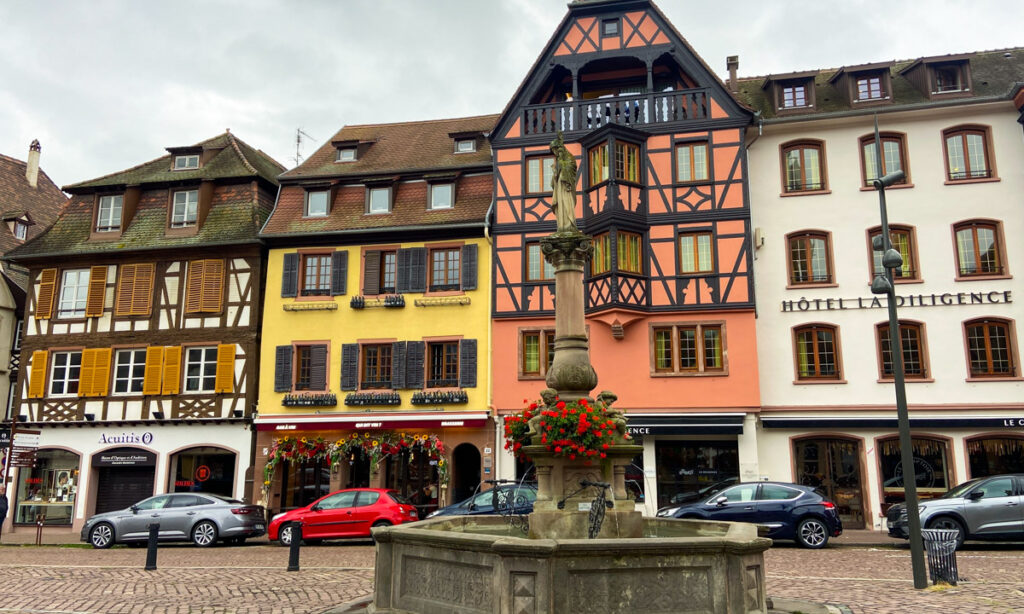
{"x": 661, "y": 186}
{"x": 141, "y": 333}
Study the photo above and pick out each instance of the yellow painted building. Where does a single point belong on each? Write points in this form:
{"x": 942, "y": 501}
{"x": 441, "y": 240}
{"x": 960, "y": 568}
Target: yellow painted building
{"x": 376, "y": 323}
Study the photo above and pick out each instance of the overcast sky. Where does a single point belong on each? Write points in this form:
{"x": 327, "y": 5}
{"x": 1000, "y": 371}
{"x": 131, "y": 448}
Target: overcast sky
{"x": 108, "y": 84}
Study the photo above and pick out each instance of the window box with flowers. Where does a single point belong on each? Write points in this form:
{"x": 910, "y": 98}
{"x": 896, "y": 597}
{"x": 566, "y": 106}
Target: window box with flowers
{"x": 324, "y": 399}
{"x": 373, "y": 398}
{"x": 440, "y": 397}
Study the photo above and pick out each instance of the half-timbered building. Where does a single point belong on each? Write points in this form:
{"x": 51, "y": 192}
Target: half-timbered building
{"x": 376, "y": 318}
{"x": 141, "y": 333}
{"x": 661, "y": 186}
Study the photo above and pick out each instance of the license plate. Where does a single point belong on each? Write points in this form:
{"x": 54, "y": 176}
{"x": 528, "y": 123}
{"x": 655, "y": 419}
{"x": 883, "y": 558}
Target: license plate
{"x": 260, "y": 527}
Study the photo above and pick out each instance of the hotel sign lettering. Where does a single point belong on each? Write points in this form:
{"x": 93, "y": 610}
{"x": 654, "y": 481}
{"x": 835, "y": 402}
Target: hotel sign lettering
{"x": 995, "y": 297}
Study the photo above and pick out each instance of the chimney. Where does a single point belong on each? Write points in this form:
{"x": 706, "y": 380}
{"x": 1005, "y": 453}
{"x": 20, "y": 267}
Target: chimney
{"x": 32, "y": 168}
{"x": 732, "y": 62}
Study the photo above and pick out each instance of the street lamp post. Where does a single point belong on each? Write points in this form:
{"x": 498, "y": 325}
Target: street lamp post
{"x": 883, "y": 284}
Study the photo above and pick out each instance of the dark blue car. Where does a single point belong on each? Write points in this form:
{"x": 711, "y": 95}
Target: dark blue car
{"x": 503, "y": 498}
{"x": 789, "y": 511}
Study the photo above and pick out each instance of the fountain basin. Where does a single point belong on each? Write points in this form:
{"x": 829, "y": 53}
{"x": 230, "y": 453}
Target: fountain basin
{"x": 464, "y": 564}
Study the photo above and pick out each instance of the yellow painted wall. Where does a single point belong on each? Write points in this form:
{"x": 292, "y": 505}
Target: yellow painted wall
{"x": 347, "y": 325}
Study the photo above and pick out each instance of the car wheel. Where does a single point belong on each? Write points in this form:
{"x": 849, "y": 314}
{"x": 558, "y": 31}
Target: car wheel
{"x": 102, "y": 536}
{"x": 812, "y": 533}
{"x": 379, "y": 523}
{"x": 950, "y": 524}
{"x": 284, "y": 535}
{"x": 204, "y": 534}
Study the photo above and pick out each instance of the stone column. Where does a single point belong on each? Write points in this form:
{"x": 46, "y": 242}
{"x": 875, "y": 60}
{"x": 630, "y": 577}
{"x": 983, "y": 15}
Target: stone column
{"x": 571, "y": 373}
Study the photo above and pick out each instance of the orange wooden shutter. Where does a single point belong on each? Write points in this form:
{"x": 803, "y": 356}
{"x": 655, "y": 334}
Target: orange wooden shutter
{"x": 125, "y": 287}
{"x": 47, "y": 290}
{"x": 97, "y": 291}
{"x": 85, "y": 373}
{"x": 194, "y": 286}
{"x": 172, "y": 370}
{"x": 101, "y": 372}
{"x": 213, "y": 286}
{"x": 142, "y": 295}
{"x": 154, "y": 370}
{"x": 225, "y": 368}
{"x": 37, "y": 379}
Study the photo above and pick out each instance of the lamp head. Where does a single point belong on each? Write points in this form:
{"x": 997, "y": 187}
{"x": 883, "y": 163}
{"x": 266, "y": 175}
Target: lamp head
{"x": 890, "y": 179}
{"x": 880, "y": 285}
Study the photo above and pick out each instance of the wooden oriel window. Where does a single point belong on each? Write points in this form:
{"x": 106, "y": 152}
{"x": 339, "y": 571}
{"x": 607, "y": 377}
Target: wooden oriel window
{"x": 539, "y": 173}
{"x": 376, "y": 366}
{"x": 601, "y": 260}
{"x": 978, "y": 249}
{"x": 442, "y": 364}
{"x": 817, "y": 355}
{"x": 537, "y": 267}
{"x": 204, "y": 288}
{"x": 108, "y": 214}
{"x": 538, "y": 352}
{"x": 129, "y": 371}
{"x": 809, "y": 259}
{"x": 629, "y": 248}
{"x": 688, "y": 348}
{"x": 893, "y": 158}
{"x": 696, "y": 253}
{"x": 803, "y": 167}
{"x": 691, "y": 162}
{"x": 316, "y": 275}
{"x": 967, "y": 154}
{"x": 912, "y": 343}
{"x": 134, "y": 290}
{"x": 902, "y": 239}
{"x": 598, "y": 158}
{"x": 627, "y": 162}
{"x": 445, "y": 266}
{"x": 990, "y": 348}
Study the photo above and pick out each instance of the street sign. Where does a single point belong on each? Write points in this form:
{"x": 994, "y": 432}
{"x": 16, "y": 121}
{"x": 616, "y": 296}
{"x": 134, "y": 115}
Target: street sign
{"x": 5, "y": 436}
{"x": 26, "y": 439}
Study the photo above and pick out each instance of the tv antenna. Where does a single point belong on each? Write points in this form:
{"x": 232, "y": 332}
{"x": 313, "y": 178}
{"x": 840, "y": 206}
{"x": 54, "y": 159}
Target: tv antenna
{"x": 299, "y": 133}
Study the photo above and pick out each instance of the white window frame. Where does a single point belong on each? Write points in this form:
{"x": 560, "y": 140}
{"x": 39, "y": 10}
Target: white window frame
{"x": 16, "y": 344}
{"x": 108, "y": 215}
{"x": 326, "y": 203}
{"x": 185, "y": 211}
{"x": 465, "y": 145}
{"x": 135, "y": 360}
{"x": 207, "y": 369}
{"x": 346, "y": 154}
{"x": 20, "y": 230}
{"x": 370, "y": 201}
{"x": 74, "y": 292}
{"x": 186, "y": 163}
{"x": 66, "y": 382}
{"x": 446, "y": 203}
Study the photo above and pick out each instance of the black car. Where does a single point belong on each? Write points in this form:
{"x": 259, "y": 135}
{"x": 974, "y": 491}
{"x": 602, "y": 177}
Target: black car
{"x": 789, "y": 511}
{"x": 513, "y": 498}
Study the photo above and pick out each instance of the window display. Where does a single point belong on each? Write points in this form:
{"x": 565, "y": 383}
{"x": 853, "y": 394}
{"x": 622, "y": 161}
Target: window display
{"x": 205, "y": 469}
{"x": 47, "y": 491}
{"x": 930, "y": 468}
{"x": 686, "y": 468}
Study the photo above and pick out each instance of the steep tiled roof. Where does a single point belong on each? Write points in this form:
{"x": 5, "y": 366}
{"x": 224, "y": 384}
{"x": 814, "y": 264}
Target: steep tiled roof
{"x": 235, "y": 159}
{"x": 42, "y": 203}
{"x": 992, "y": 74}
{"x": 399, "y": 148}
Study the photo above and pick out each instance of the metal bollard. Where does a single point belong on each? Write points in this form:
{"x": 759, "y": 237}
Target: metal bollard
{"x": 293, "y": 550}
{"x": 40, "y": 520}
{"x": 154, "y": 534}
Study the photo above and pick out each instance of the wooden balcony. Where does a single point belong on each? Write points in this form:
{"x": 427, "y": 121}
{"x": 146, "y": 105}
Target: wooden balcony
{"x": 635, "y": 110}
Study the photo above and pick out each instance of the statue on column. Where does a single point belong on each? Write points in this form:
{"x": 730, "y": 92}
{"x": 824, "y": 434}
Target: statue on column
{"x": 563, "y": 186}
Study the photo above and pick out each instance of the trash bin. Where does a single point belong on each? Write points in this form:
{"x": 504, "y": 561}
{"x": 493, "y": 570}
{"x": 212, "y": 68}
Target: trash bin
{"x": 940, "y": 544}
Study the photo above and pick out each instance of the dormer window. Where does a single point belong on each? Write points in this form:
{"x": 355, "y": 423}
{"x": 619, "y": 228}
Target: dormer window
{"x": 20, "y": 230}
{"x": 465, "y": 145}
{"x": 346, "y": 154}
{"x": 871, "y": 86}
{"x": 184, "y": 209}
{"x": 948, "y": 78}
{"x": 378, "y": 200}
{"x": 108, "y": 216}
{"x": 792, "y": 91}
{"x": 441, "y": 196}
{"x": 183, "y": 163}
{"x": 317, "y": 203}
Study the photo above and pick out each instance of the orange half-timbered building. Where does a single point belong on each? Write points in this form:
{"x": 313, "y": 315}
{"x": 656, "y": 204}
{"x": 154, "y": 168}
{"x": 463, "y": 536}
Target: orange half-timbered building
{"x": 661, "y": 186}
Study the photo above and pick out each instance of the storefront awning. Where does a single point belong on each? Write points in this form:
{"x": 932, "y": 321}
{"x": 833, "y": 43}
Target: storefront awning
{"x": 375, "y": 421}
{"x": 873, "y": 422}
{"x": 684, "y": 424}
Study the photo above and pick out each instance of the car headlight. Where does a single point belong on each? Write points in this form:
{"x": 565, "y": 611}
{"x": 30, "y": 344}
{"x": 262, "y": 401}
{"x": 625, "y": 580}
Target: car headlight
{"x": 669, "y": 511}
{"x": 276, "y": 516}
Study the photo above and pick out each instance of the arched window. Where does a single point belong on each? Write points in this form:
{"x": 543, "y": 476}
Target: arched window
{"x": 803, "y": 167}
{"x": 817, "y": 352}
{"x": 912, "y": 342}
{"x": 903, "y": 241}
{"x": 979, "y": 248}
{"x": 810, "y": 257}
{"x": 894, "y": 157}
{"x": 990, "y": 348}
{"x": 967, "y": 153}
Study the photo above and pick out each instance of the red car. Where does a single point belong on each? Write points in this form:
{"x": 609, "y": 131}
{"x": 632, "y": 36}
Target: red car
{"x": 346, "y": 513}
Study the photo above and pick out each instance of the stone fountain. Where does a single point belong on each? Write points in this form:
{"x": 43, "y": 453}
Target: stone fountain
{"x": 573, "y": 557}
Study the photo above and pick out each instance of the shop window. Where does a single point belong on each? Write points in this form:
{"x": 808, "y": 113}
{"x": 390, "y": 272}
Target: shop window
{"x": 931, "y": 468}
{"x": 902, "y": 239}
{"x": 995, "y": 455}
{"x": 445, "y": 266}
{"x": 967, "y": 154}
{"x": 316, "y": 274}
{"x": 200, "y": 369}
{"x": 833, "y": 465}
{"x": 688, "y": 349}
{"x": 47, "y": 491}
{"x": 185, "y": 209}
{"x": 539, "y": 173}
{"x": 537, "y": 352}
{"x": 691, "y": 162}
{"x": 912, "y": 338}
{"x": 817, "y": 352}
{"x": 204, "y": 469}
{"x": 129, "y": 371}
{"x": 442, "y": 364}
{"x": 990, "y": 348}
{"x": 376, "y": 366}
{"x": 690, "y": 471}
{"x": 65, "y": 373}
{"x": 893, "y": 158}
{"x": 303, "y": 483}
{"x": 803, "y": 167}
{"x": 537, "y": 267}
{"x": 978, "y": 249}
{"x": 410, "y": 472}
{"x": 696, "y": 253}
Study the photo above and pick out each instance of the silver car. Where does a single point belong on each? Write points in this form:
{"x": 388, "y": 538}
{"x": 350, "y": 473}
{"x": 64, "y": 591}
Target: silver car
{"x": 989, "y": 508}
{"x": 200, "y": 517}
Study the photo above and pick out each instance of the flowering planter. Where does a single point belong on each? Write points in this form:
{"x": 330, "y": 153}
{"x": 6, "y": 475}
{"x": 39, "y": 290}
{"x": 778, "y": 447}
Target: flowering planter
{"x": 309, "y": 400}
{"x": 373, "y": 398}
{"x": 440, "y": 398}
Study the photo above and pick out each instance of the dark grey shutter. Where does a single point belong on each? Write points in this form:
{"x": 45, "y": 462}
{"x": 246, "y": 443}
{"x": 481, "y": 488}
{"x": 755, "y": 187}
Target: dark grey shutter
{"x": 349, "y": 366}
{"x": 318, "y": 367}
{"x": 418, "y": 269}
{"x": 339, "y": 273}
{"x": 402, "y": 272}
{"x": 414, "y": 353}
{"x": 371, "y": 274}
{"x": 398, "y": 365}
{"x": 283, "y": 369}
{"x": 469, "y": 267}
{"x": 467, "y": 363}
{"x": 290, "y": 276}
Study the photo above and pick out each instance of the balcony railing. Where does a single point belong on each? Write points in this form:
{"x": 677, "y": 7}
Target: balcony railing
{"x": 635, "y": 110}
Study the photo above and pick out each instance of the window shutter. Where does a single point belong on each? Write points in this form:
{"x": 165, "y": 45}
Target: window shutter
{"x": 172, "y": 370}
{"x": 97, "y": 291}
{"x": 339, "y": 273}
{"x": 469, "y": 267}
{"x": 290, "y": 278}
{"x": 101, "y": 372}
{"x": 349, "y": 366}
{"x": 194, "y": 286}
{"x": 37, "y": 379}
{"x": 85, "y": 373}
{"x": 125, "y": 290}
{"x": 142, "y": 294}
{"x": 213, "y": 286}
{"x": 467, "y": 363}
{"x": 154, "y": 370}
{"x": 225, "y": 380}
{"x": 414, "y": 354}
{"x": 283, "y": 368}
{"x": 402, "y": 271}
{"x": 418, "y": 269}
{"x": 398, "y": 365}
{"x": 318, "y": 367}
{"x": 44, "y": 300}
{"x": 371, "y": 274}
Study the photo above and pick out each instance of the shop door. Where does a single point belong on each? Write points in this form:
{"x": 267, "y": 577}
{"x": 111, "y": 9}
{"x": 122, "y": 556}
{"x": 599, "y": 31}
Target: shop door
{"x": 833, "y": 465}
{"x": 466, "y": 461}
{"x": 122, "y": 487}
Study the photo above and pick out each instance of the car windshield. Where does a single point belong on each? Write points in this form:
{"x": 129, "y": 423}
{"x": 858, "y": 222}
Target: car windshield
{"x": 958, "y": 491}
{"x": 399, "y": 497}
{"x": 223, "y": 499}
